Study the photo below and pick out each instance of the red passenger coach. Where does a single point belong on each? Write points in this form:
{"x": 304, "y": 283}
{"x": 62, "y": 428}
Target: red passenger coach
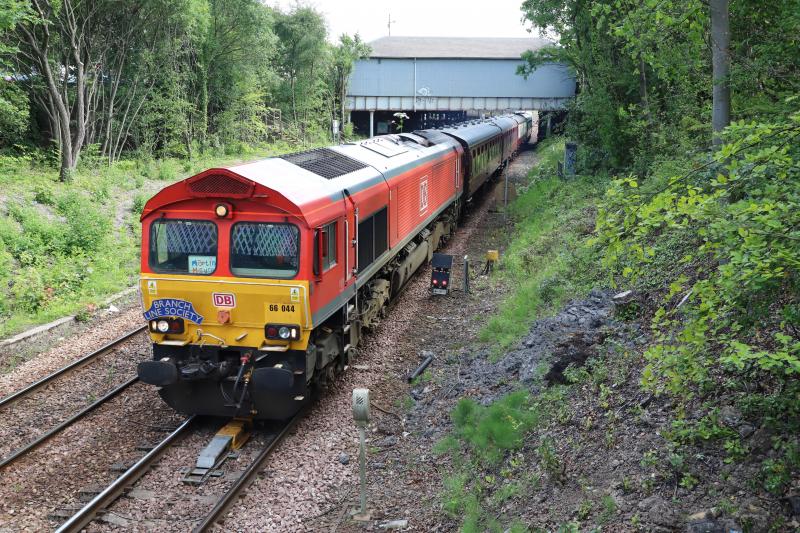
{"x": 258, "y": 279}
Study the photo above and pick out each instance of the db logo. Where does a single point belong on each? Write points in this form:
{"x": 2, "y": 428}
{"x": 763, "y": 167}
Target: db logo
{"x": 224, "y": 299}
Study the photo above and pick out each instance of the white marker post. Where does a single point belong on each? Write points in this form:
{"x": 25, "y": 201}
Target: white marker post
{"x": 361, "y": 416}
{"x": 466, "y": 274}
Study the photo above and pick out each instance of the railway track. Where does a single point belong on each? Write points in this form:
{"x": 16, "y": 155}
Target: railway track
{"x": 119, "y": 486}
{"x": 22, "y": 393}
{"x": 83, "y": 517}
{"x": 243, "y": 481}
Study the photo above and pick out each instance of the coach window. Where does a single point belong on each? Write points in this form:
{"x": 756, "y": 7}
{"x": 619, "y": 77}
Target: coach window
{"x": 183, "y": 246}
{"x": 265, "y": 250}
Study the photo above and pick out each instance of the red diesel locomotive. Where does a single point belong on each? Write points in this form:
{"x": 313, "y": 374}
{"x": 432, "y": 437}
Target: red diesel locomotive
{"x": 258, "y": 279}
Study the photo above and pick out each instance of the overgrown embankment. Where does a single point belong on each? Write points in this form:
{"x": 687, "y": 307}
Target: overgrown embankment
{"x": 545, "y": 259}
{"x": 678, "y": 407}
{"x": 66, "y": 246}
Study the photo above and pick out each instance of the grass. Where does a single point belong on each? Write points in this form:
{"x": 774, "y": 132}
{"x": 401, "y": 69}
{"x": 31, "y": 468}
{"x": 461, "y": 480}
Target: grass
{"x": 486, "y": 449}
{"x": 65, "y": 247}
{"x": 546, "y": 260}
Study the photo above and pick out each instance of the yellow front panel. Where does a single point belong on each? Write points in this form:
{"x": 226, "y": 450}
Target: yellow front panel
{"x": 250, "y": 304}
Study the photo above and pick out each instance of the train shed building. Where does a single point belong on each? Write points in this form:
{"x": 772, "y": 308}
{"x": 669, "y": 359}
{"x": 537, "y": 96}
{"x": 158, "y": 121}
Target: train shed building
{"x": 436, "y": 80}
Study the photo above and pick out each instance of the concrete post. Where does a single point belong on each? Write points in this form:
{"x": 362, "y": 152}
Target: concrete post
{"x": 362, "y": 466}
{"x": 361, "y": 416}
{"x": 505, "y": 192}
{"x": 372, "y": 124}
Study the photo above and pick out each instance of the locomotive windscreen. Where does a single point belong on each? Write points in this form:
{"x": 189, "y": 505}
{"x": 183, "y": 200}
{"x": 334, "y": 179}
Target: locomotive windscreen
{"x": 264, "y": 250}
{"x": 183, "y": 246}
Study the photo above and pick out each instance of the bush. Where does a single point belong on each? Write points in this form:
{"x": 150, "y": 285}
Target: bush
{"x": 492, "y": 431}
{"x": 168, "y": 170}
{"x": 741, "y": 272}
{"x": 27, "y": 292}
{"x": 43, "y": 194}
{"x": 87, "y": 230}
{"x": 14, "y": 113}
{"x": 28, "y": 234}
{"x": 138, "y": 203}
{"x": 718, "y": 247}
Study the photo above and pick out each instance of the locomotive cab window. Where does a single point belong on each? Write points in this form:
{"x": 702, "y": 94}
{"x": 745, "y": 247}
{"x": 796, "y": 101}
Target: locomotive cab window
{"x": 183, "y": 246}
{"x": 329, "y": 240}
{"x": 265, "y": 250}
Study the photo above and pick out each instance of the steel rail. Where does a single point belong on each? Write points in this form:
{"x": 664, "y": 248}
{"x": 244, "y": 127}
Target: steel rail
{"x": 66, "y": 423}
{"x": 72, "y": 366}
{"x": 83, "y": 517}
{"x": 246, "y": 478}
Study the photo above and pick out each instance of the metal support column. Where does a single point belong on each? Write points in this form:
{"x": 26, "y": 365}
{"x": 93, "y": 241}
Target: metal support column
{"x": 371, "y": 124}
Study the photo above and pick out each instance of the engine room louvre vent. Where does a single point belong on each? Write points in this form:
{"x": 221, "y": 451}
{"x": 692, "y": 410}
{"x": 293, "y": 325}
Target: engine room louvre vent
{"x": 325, "y": 162}
{"x": 220, "y": 185}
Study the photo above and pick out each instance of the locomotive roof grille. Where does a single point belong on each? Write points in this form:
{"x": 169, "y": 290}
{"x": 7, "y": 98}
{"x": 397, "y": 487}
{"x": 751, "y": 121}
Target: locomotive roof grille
{"x": 324, "y": 162}
{"x": 217, "y": 185}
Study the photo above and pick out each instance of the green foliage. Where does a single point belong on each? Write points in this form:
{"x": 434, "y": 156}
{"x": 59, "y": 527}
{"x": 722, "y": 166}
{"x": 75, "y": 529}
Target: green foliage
{"x": 179, "y": 78}
{"x": 138, "y": 203}
{"x": 14, "y": 113}
{"x": 743, "y": 220}
{"x": 609, "y": 509}
{"x": 493, "y": 430}
{"x": 167, "y": 170}
{"x": 488, "y": 439}
{"x": 549, "y": 459}
{"x": 726, "y": 303}
{"x": 645, "y": 75}
{"x": 301, "y": 43}
{"x": 688, "y": 481}
{"x": 87, "y": 227}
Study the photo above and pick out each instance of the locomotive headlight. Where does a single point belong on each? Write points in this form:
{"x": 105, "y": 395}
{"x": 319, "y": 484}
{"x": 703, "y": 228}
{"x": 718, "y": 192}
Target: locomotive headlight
{"x": 282, "y": 332}
{"x": 221, "y": 210}
{"x": 163, "y": 326}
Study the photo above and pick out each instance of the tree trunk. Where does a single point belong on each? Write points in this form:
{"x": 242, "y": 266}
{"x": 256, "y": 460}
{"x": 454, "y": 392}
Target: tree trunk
{"x": 203, "y": 108}
{"x": 643, "y": 90}
{"x": 721, "y": 63}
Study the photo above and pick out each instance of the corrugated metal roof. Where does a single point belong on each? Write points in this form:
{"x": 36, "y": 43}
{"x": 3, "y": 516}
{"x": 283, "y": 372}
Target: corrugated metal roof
{"x": 455, "y": 47}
